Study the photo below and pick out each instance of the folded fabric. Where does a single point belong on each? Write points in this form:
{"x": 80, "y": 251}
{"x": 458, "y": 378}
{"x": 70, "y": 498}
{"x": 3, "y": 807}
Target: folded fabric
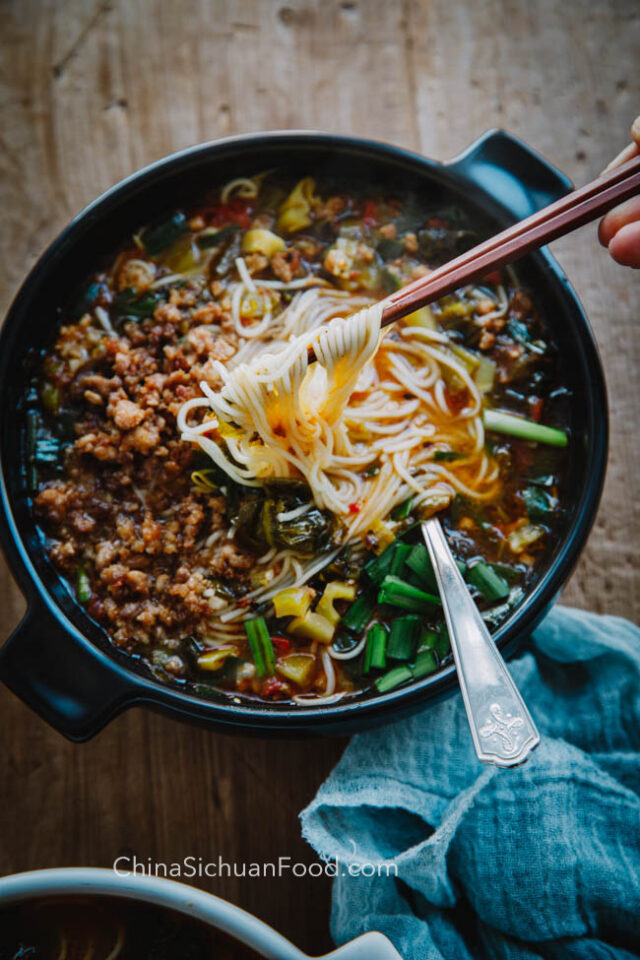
{"x": 541, "y": 861}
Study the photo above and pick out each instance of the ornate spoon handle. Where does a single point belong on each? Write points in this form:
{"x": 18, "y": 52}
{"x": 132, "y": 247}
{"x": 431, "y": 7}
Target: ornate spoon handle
{"x": 502, "y": 729}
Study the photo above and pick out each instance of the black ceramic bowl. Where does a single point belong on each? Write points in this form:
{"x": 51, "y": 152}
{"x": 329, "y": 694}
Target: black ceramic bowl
{"x": 58, "y": 660}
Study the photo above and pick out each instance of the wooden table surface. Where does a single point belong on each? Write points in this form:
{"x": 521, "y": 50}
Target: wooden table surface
{"x": 92, "y": 90}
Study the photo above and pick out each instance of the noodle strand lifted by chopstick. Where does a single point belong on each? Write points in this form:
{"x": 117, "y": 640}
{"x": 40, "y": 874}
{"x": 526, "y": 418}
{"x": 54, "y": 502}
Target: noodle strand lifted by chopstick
{"x": 368, "y": 402}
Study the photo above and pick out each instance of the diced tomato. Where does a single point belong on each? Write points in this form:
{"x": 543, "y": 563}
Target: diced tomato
{"x": 536, "y": 404}
{"x": 355, "y": 508}
{"x": 281, "y": 644}
{"x": 370, "y": 214}
{"x": 493, "y": 277}
{"x": 235, "y": 211}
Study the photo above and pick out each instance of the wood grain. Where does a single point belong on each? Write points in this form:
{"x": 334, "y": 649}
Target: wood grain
{"x": 92, "y": 89}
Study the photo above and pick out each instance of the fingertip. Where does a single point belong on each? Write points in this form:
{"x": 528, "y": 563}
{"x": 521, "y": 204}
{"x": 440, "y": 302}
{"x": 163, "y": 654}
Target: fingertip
{"x": 605, "y": 231}
{"x": 624, "y": 247}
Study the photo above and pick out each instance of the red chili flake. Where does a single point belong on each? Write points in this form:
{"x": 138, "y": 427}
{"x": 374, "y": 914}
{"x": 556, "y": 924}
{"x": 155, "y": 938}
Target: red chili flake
{"x": 493, "y": 277}
{"x": 282, "y": 644}
{"x": 355, "y": 508}
{"x": 370, "y": 213}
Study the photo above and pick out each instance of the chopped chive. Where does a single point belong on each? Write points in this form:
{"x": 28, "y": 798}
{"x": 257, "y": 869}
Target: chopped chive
{"x": 443, "y": 643}
{"x": 261, "y": 646}
{"x": 359, "y": 613}
{"x": 402, "y": 511}
{"x": 401, "y": 594}
{"x": 525, "y": 429}
{"x": 403, "y": 639}
{"x": 83, "y": 586}
{"x": 375, "y": 651}
{"x": 392, "y": 679}
{"x": 487, "y": 582}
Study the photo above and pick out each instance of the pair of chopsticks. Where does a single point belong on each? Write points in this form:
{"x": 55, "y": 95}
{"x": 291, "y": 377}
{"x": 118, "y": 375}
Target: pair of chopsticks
{"x": 559, "y": 218}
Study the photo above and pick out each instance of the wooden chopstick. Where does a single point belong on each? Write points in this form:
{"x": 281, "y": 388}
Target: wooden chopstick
{"x": 559, "y": 218}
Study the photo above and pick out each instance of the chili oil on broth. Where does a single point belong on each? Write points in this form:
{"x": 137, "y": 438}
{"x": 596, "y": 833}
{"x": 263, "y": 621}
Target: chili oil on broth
{"x": 260, "y": 591}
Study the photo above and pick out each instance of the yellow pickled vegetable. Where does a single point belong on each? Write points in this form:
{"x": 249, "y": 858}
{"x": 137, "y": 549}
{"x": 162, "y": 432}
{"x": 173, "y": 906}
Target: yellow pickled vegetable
{"x": 336, "y": 590}
{"x": 524, "y": 536}
{"x": 215, "y": 659}
{"x": 312, "y": 626}
{"x": 295, "y": 212}
{"x": 383, "y": 534}
{"x": 485, "y": 374}
{"x": 293, "y": 602}
{"x": 421, "y": 318}
{"x": 297, "y": 667}
{"x": 228, "y": 430}
{"x": 262, "y": 241}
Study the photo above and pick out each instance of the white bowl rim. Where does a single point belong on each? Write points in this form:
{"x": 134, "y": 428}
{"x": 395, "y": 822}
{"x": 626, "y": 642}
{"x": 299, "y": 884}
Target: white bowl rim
{"x": 185, "y": 899}
{"x": 160, "y": 891}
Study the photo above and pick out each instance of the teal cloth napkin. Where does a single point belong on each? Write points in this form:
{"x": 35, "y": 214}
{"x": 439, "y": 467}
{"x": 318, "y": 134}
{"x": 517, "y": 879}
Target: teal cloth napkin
{"x": 542, "y": 861}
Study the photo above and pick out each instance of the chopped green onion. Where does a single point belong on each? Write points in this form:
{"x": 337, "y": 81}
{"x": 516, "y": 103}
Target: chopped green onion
{"x": 375, "y": 651}
{"x": 392, "y": 679}
{"x": 524, "y": 429}
{"x": 427, "y": 640}
{"x": 425, "y": 664}
{"x": 402, "y": 511}
{"x": 487, "y": 582}
{"x": 443, "y": 643}
{"x": 403, "y": 639}
{"x": 83, "y": 586}
{"x": 401, "y": 594}
{"x": 419, "y": 562}
{"x": 399, "y": 558}
{"x": 261, "y": 646}
{"x": 359, "y": 613}
{"x": 379, "y": 567}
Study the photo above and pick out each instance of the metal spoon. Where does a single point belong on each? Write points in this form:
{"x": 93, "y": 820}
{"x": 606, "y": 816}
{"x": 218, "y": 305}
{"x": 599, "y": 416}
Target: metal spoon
{"x": 502, "y": 729}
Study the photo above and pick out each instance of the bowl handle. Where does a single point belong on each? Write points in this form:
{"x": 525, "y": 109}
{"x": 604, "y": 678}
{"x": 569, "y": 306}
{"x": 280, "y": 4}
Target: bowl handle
{"x": 67, "y": 681}
{"x": 514, "y": 174}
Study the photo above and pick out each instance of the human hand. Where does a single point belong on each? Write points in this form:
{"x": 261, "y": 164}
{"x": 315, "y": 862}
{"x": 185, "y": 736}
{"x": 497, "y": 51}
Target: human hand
{"x": 619, "y": 230}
